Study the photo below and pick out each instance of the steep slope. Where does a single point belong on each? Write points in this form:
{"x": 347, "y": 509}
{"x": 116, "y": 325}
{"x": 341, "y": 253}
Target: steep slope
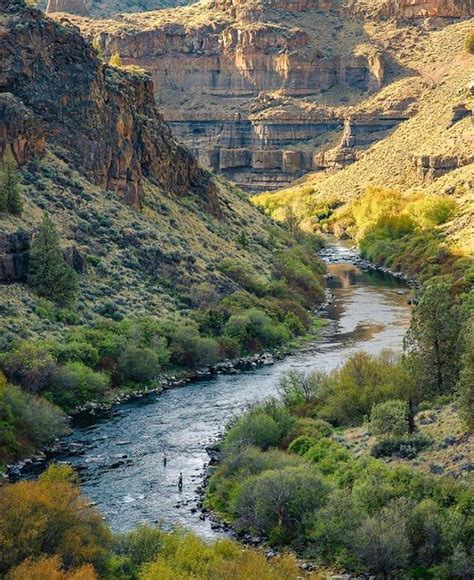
{"x": 431, "y": 153}
{"x": 137, "y": 216}
{"x": 265, "y": 91}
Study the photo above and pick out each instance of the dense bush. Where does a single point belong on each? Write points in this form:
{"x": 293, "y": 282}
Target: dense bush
{"x": 255, "y": 330}
{"x": 29, "y": 365}
{"x": 275, "y": 503}
{"x": 407, "y": 447}
{"x": 389, "y": 418}
{"x": 140, "y": 364}
{"x": 49, "y": 518}
{"x": 74, "y": 384}
{"x": 26, "y": 422}
{"x": 263, "y": 427}
{"x": 190, "y": 349}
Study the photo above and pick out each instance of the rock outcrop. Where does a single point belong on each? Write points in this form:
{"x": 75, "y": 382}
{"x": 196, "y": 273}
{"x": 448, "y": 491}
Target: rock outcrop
{"x": 77, "y": 7}
{"x": 262, "y": 90}
{"x": 101, "y": 120}
{"x": 14, "y": 248}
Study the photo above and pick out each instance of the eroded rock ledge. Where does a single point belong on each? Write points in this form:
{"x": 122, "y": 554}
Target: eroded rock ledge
{"x": 101, "y": 120}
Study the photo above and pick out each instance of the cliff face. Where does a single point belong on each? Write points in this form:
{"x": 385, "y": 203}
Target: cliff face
{"x": 263, "y": 90}
{"x": 103, "y": 122}
{"x": 92, "y": 147}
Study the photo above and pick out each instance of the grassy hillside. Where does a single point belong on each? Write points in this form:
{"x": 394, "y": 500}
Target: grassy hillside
{"x": 435, "y": 133}
{"x": 120, "y": 258}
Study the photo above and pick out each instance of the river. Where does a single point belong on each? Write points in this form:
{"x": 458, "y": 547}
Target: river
{"x": 120, "y": 455}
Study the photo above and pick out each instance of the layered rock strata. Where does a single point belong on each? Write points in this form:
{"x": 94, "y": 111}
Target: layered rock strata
{"x": 101, "y": 120}
{"x": 228, "y": 73}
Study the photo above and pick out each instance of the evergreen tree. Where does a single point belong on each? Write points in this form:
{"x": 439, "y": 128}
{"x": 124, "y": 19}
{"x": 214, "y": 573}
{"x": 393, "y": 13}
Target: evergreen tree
{"x": 431, "y": 342}
{"x": 465, "y": 386}
{"x": 48, "y": 273}
{"x": 10, "y": 199}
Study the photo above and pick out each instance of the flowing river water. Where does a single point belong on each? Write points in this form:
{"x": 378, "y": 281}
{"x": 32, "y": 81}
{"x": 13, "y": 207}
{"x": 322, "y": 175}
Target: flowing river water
{"x": 120, "y": 455}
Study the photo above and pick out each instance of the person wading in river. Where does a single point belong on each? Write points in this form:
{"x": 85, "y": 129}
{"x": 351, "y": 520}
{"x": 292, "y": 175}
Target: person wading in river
{"x": 165, "y": 460}
{"x": 180, "y": 482}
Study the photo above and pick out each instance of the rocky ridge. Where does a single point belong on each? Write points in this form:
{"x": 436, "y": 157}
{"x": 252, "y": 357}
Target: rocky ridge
{"x": 266, "y": 90}
{"x": 119, "y": 136}
{"x": 135, "y": 212}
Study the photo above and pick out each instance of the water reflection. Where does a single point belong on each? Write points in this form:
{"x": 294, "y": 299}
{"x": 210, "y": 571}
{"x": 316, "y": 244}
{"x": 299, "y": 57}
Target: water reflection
{"x": 120, "y": 456}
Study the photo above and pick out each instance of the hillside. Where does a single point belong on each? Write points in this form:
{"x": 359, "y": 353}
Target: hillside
{"x": 431, "y": 153}
{"x": 136, "y": 215}
{"x": 265, "y": 92}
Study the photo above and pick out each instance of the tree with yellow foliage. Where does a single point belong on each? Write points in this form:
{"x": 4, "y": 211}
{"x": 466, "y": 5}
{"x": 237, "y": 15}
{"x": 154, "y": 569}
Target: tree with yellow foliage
{"x": 49, "y": 517}
{"x": 115, "y": 60}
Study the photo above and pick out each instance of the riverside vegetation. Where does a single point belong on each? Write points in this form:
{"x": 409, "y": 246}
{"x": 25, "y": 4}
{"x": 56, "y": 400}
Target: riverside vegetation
{"x": 288, "y": 476}
{"x": 48, "y": 531}
{"x": 88, "y": 362}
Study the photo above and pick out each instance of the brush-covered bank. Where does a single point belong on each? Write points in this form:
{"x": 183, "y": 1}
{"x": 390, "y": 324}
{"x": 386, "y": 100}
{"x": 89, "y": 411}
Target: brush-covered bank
{"x": 120, "y": 257}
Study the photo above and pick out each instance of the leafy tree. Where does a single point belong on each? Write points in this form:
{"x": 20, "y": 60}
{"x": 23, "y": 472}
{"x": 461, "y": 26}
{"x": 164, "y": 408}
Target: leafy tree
{"x": 142, "y": 364}
{"x": 390, "y": 418}
{"x": 75, "y": 383}
{"x": 49, "y": 517}
{"x": 115, "y": 60}
{"x": 10, "y": 199}
{"x": 275, "y": 502}
{"x": 48, "y": 272}
{"x": 50, "y": 568}
{"x": 29, "y": 365}
{"x": 257, "y": 429}
{"x": 381, "y": 542}
{"x": 431, "y": 342}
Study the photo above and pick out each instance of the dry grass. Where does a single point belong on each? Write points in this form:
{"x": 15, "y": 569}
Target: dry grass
{"x": 451, "y": 450}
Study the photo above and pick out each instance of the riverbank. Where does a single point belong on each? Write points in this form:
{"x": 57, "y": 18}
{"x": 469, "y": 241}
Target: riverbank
{"x": 334, "y": 253}
{"x": 119, "y": 454}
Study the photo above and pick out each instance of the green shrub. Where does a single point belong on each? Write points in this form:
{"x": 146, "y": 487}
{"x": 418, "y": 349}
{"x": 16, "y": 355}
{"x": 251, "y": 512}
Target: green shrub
{"x": 407, "y": 447}
{"x": 26, "y": 422}
{"x": 75, "y": 351}
{"x": 75, "y": 384}
{"x": 141, "y": 364}
{"x": 328, "y": 455}
{"x": 255, "y": 330}
{"x": 30, "y": 366}
{"x": 189, "y": 349}
{"x": 381, "y": 542}
{"x": 258, "y": 429}
{"x": 275, "y": 503}
{"x": 389, "y": 418}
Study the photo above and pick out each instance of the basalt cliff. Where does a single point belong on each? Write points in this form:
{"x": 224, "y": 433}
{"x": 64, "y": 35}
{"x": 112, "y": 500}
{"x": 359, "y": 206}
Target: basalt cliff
{"x": 267, "y": 90}
{"x": 136, "y": 214}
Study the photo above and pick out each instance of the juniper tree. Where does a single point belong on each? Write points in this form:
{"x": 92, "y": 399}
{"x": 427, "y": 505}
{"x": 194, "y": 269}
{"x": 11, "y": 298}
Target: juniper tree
{"x": 432, "y": 342}
{"x": 48, "y": 272}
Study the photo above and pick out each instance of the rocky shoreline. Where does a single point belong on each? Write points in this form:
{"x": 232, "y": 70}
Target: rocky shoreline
{"x": 327, "y": 254}
{"x": 163, "y": 383}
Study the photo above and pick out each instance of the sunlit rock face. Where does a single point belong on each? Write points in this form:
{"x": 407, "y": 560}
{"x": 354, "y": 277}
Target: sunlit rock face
{"x": 70, "y": 6}
{"x": 105, "y": 123}
{"x": 256, "y": 88}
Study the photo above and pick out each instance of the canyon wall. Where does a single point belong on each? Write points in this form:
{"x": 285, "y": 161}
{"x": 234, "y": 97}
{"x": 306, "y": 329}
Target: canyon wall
{"x": 264, "y": 90}
{"x": 101, "y": 120}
